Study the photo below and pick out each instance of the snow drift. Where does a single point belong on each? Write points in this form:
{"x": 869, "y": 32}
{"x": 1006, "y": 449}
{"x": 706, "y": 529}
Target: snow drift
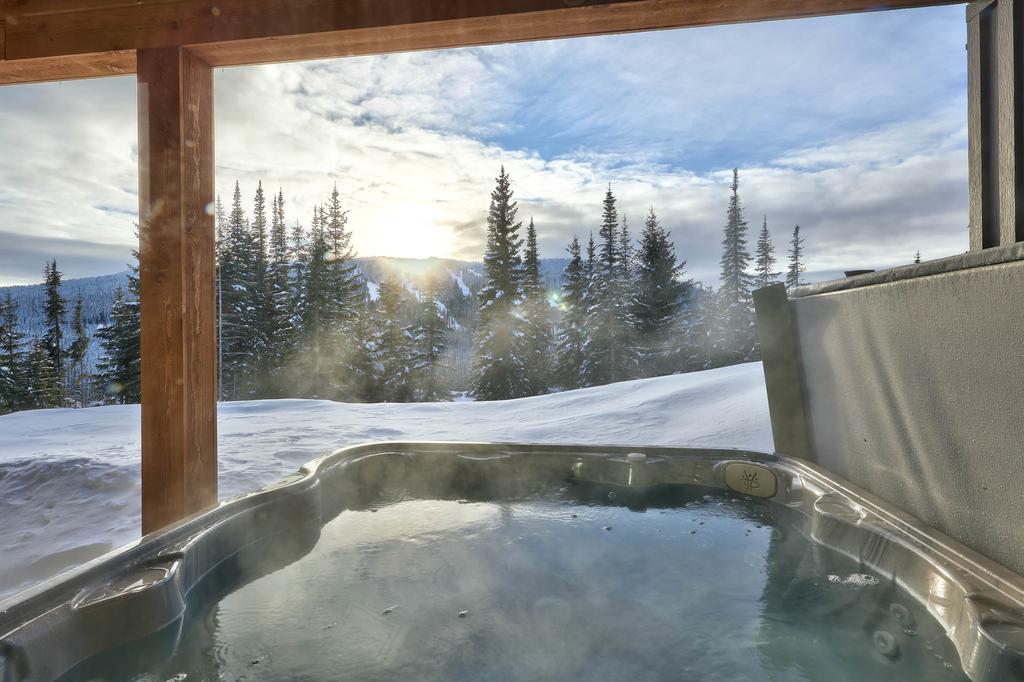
{"x": 69, "y": 479}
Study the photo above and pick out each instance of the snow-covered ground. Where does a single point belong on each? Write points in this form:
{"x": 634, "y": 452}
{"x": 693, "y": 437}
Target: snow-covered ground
{"x": 69, "y": 479}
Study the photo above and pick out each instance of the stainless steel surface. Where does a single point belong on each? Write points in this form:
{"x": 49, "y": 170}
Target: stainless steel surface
{"x": 145, "y": 586}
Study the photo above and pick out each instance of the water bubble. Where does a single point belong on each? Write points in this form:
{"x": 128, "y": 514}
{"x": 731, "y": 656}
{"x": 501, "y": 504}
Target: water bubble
{"x": 886, "y": 644}
{"x": 902, "y": 614}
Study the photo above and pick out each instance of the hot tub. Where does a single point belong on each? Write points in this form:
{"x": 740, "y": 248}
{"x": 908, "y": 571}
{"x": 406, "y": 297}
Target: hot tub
{"x": 456, "y": 561}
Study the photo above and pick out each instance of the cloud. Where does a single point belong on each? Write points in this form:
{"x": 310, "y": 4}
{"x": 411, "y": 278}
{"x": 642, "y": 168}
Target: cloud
{"x": 832, "y": 126}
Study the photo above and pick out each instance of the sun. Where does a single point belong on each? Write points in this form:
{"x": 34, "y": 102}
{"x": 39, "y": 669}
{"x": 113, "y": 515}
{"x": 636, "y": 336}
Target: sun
{"x": 407, "y": 231}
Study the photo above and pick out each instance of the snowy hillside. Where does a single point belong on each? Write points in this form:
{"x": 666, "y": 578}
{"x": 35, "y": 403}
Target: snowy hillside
{"x": 97, "y": 296}
{"x": 462, "y": 280}
{"x": 69, "y": 479}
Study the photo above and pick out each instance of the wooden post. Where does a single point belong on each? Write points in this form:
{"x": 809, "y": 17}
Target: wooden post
{"x": 995, "y": 59}
{"x": 177, "y": 271}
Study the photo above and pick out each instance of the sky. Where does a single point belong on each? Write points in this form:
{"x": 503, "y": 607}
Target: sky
{"x": 853, "y": 127}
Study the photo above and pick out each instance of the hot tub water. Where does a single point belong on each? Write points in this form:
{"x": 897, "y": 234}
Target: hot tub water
{"x": 561, "y": 584}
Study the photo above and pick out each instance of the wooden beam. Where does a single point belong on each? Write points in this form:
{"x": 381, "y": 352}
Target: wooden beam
{"x": 177, "y": 271}
{"x": 995, "y": 49}
{"x": 75, "y": 67}
{"x": 234, "y": 32}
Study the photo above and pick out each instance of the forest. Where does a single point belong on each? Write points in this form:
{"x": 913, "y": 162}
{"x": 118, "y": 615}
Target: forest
{"x": 299, "y": 317}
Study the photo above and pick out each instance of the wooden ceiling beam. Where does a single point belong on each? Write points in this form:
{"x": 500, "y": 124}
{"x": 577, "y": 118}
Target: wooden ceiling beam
{"x": 65, "y": 39}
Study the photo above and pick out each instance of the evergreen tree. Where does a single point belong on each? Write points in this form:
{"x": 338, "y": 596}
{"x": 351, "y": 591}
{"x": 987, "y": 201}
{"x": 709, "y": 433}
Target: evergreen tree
{"x": 365, "y": 377}
{"x": 221, "y": 229}
{"x": 118, "y": 372}
{"x": 315, "y": 325}
{"x": 53, "y": 309}
{"x": 395, "y": 351}
{"x": 346, "y": 286}
{"x": 661, "y": 293}
{"x": 796, "y": 260}
{"x": 431, "y": 384}
{"x": 43, "y": 383}
{"x": 764, "y": 259}
{"x": 627, "y": 255}
{"x": 279, "y": 302}
{"x": 12, "y": 361}
{"x": 572, "y": 338}
{"x": 735, "y": 335}
{"x": 344, "y": 295}
{"x": 917, "y": 257}
{"x": 536, "y": 318}
{"x": 221, "y": 235}
{"x": 299, "y": 254}
{"x": 238, "y": 296}
{"x": 590, "y": 267}
{"x": 499, "y": 366}
{"x": 78, "y": 379}
{"x": 610, "y": 353}
{"x": 261, "y": 298}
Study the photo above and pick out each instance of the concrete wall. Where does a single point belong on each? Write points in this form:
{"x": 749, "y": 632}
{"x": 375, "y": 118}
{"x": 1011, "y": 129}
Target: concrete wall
{"x": 913, "y": 388}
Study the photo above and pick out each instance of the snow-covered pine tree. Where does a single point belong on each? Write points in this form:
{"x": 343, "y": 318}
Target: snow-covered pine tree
{"x": 627, "y": 255}
{"x": 590, "y": 267}
{"x": 299, "y": 254}
{"x": 78, "y": 381}
{"x": 395, "y": 351}
{"x": 661, "y": 292}
{"x": 43, "y": 382}
{"x": 536, "y": 318}
{"x": 734, "y": 331}
{"x": 344, "y": 292}
{"x": 572, "y": 337}
{"x": 53, "y": 309}
{"x": 429, "y": 340}
{"x": 118, "y": 370}
{"x": 610, "y": 354}
{"x": 590, "y": 270}
{"x": 308, "y": 370}
{"x": 279, "y": 303}
{"x": 220, "y": 231}
{"x": 238, "y": 296}
{"x": 12, "y": 360}
{"x": 764, "y": 259}
{"x": 262, "y": 300}
{"x": 917, "y": 257}
{"x": 365, "y": 377}
{"x": 346, "y": 286}
{"x": 499, "y": 366}
{"x": 796, "y": 260}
